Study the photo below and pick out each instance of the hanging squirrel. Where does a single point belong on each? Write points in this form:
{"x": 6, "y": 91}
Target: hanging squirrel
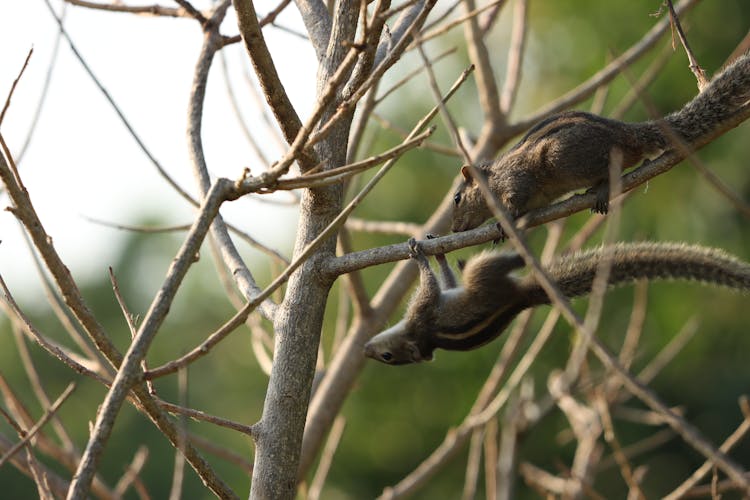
{"x": 572, "y": 150}
{"x": 466, "y": 317}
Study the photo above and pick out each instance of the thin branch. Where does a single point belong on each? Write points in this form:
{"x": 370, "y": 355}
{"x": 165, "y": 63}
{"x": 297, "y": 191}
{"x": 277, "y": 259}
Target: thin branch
{"x": 383, "y": 227}
{"x": 49, "y": 413}
{"x": 699, "y": 73}
{"x": 13, "y": 86}
{"x": 235, "y": 105}
{"x": 129, "y": 373}
{"x": 45, "y": 91}
{"x": 316, "y": 487}
{"x": 456, "y": 22}
{"x": 178, "y": 472}
{"x": 338, "y": 174}
{"x": 483, "y": 409}
{"x": 232, "y": 259}
{"x": 715, "y": 181}
{"x": 734, "y": 438}
{"x": 223, "y": 453}
{"x": 76, "y": 363}
{"x": 389, "y": 59}
{"x": 689, "y": 433}
{"x": 605, "y": 75}
{"x": 626, "y": 469}
{"x": 637, "y": 89}
{"x": 666, "y": 355}
{"x": 515, "y": 56}
{"x": 154, "y": 10}
{"x": 64, "y": 316}
{"x": 41, "y": 394}
{"x": 129, "y": 320}
{"x": 192, "y": 11}
{"x": 131, "y": 473}
{"x": 489, "y": 98}
{"x": 115, "y": 107}
{"x": 575, "y": 203}
{"x": 58, "y": 485}
{"x": 354, "y": 284}
{"x": 402, "y": 133}
{"x": 265, "y": 70}
{"x": 472, "y": 465}
{"x": 409, "y": 76}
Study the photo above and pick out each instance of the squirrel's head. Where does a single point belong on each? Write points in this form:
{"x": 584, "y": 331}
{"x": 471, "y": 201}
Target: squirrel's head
{"x": 469, "y": 207}
{"x": 395, "y": 346}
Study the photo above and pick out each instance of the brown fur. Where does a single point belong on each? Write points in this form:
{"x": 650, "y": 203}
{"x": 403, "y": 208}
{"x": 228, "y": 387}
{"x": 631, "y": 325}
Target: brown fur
{"x": 572, "y": 150}
{"x": 467, "y": 317}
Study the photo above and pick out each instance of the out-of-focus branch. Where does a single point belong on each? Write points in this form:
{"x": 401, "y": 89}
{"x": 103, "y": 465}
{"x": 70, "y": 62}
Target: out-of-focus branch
{"x": 603, "y": 76}
{"x": 318, "y": 22}
{"x": 13, "y": 85}
{"x": 49, "y": 413}
{"x": 153, "y": 10}
{"x": 265, "y": 70}
{"x": 575, "y": 203}
{"x": 162, "y": 171}
{"x": 344, "y": 172}
{"x": 231, "y": 256}
{"x": 515, "y": 57}
{"x": 129, "y": 372}
{"x": 489, "y": 97}
{"x": 348, "y": 360}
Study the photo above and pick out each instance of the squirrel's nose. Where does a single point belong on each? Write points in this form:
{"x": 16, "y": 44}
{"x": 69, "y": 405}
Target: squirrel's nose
{"x": 369, "y": 350}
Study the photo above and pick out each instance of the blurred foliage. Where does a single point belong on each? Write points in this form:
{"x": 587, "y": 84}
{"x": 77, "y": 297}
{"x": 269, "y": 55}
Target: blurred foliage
{"x": 397, "y": 415}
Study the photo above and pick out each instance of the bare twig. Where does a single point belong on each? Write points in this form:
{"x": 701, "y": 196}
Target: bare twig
{"x": 326, "y": 458}
{"x": 154, "y": 10}
{"x": 699, "y": 73}
{"x": 609, "y": 435}
{"x": 178, "y": 473}
{"x": 129, "y": 373}
{"x": 192, "y": 11}
{"x": 13, "y": 86}
{"x": 734, "y": 438}
{"x": 338, "y": 174}
{"x": 45, "y": 91}
{"x": 515, "y": 57}
{"x": 32, "y": 432}
{"x": 384, "y": 227}
{"x": 131, "y": 473}
{"x": 604, "y": 75}
{"x": 41, "y": 394}
{"x": 472, "y": 465}
{"x": 115, "y": 107}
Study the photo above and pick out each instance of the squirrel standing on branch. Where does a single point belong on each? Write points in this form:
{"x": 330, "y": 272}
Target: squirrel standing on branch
{"x": 571, "y": 150}
{"x": 466, "y": 317}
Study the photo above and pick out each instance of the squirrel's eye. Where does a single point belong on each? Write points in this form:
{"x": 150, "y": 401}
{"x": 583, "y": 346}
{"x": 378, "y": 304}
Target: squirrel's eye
{"x": 386, "y": 356}
{"x": 457, "y": 199}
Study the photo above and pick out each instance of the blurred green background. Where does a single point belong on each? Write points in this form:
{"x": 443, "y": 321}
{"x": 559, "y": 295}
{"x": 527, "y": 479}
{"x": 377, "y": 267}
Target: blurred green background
{"x": 397, "y": 415}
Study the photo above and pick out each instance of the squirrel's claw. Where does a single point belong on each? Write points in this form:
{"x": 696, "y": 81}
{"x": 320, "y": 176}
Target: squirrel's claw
{"x": 415, "y": 249}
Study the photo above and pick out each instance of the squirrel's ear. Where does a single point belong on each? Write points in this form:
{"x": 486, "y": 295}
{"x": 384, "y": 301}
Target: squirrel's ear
{"x": 466, "y": 172}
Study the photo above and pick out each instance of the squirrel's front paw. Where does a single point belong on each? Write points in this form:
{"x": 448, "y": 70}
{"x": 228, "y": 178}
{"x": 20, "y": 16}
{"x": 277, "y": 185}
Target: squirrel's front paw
{"x": 601, "y": 204}
{"x": 415, "y": 249}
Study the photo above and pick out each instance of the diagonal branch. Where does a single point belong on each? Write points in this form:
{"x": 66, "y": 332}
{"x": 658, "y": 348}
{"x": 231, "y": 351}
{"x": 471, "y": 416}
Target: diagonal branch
{"x": 129, "y": 373}
{"x": 317, "y": 21}
{"x": 49, "y": 413}
{"x": 265, "y": 70}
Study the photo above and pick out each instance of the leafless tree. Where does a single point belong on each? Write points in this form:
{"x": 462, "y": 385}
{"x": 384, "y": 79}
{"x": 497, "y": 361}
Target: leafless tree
{"x": 356, "y": 44}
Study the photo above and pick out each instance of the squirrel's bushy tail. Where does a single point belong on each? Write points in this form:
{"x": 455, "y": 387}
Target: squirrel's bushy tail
{"x": 726, "y": 94}
{"x": 574, "y": 274}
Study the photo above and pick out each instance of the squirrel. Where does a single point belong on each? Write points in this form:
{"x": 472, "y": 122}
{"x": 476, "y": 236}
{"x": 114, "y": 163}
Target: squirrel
{"x": 572, "y": 150}
{"x": 462, "y": 318}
